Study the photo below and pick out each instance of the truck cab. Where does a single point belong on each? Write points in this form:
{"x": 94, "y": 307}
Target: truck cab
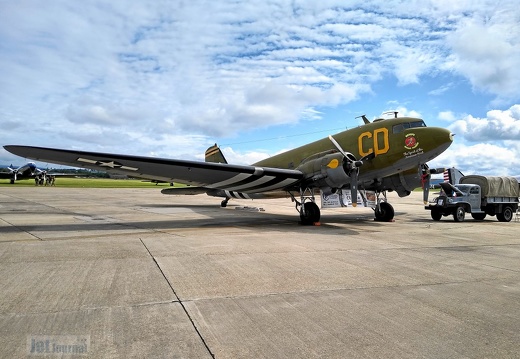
{"x": 471, "y": 196}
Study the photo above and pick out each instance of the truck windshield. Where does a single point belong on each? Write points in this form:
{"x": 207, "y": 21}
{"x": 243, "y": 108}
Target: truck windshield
{"x": 463, "y": 188}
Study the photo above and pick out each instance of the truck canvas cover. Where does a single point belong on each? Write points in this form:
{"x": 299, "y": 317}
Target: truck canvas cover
{"x": 491, "y": 186}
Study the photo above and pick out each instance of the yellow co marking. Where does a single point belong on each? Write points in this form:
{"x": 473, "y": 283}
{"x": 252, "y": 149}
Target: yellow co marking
{"x": 376, "y": 142}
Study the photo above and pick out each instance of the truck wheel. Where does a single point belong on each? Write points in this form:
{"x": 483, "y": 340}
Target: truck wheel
{"x": 436, "y": 215}
{"x": 506, "y": 215}
{"x": 478, "y": 216}
{"x": 459, "y": 214}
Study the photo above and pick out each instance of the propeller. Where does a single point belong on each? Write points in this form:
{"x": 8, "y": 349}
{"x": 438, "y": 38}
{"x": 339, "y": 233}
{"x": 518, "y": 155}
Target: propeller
{"x": 353, "y": 167}
{"x": 13, "y": 172}
{"x": 426, "y": 173}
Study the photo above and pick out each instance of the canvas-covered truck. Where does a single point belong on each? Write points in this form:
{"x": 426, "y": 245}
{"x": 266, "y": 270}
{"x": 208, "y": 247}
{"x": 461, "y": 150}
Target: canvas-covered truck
{"x": 478, "y": 195}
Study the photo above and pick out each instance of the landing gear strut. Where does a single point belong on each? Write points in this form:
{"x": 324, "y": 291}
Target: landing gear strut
{"x": 384, "y": 212}
{"x": 224, "y": 202}
{"x": 309, "y": 210}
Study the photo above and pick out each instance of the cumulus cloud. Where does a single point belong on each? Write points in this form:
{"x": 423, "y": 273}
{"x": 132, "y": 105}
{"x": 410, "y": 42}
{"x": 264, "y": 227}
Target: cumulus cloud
{"x": 244, "y": 158}
{"x": 497, "y": 126}
{"x": 486, "y": 50}
{"x": 487, "y": 146}
{"x": 481, "y": 158}
{"x": 448, "y": 116}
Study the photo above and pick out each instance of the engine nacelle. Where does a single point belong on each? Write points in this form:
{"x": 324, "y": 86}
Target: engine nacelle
{"x": 403, "y": 183}
{"x": 328, "y": 169}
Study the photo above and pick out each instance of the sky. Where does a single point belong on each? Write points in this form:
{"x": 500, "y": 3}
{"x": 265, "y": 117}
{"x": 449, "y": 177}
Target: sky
{"x": 170, "y": 78}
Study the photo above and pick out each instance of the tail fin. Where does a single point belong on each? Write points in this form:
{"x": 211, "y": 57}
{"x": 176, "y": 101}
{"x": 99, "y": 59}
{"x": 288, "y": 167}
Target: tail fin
{"x": 214, "y": 154}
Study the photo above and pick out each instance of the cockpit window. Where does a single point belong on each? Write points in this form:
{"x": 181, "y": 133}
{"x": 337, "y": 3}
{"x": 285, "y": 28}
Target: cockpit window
{"x": 403, "y": 126}
{"x": 417, "y": 124}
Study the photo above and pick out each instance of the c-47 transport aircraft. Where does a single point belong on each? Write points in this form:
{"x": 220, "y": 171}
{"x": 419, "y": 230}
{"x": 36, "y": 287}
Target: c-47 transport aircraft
{"x": 28, "y": 170}
{"x": 379, "y": 156}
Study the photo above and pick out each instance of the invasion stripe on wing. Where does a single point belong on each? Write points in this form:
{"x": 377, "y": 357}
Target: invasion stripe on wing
{"x": 273, "y": 183}
{"x": 253, "y": 183}
{"x": 230, "y": 182}
{"x": 281, "y": 183}
{"x": 239, "y": 195}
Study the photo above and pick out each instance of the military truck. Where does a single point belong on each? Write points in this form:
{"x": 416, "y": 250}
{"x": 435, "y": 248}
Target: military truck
{"x": 478, "y": 195}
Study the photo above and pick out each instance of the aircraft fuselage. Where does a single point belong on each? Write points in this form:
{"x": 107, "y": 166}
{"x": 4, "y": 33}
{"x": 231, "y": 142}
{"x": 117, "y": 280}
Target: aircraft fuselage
{"x": 390, "y": 146}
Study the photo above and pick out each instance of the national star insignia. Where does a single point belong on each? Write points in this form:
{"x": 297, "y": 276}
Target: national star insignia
{"x": 109, "y": 164}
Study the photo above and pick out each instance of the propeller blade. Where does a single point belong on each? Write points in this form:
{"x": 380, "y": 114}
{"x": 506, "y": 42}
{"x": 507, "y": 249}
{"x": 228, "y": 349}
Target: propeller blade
{"x": 335, "y": 143}
{"x": 353, "y": 189}
{"x": 425, "y": 181}
{"x": 426, "y": 190}
{"x": 354, "y": 170}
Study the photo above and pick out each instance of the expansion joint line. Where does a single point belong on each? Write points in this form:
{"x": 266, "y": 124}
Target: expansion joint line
{"x": 20, "y": 229}
{"x": 180, "y": 301}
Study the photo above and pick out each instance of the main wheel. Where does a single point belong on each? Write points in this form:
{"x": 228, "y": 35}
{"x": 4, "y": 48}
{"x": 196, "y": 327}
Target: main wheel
{"x": 384, "y": 212}
{"x": 459, "y": 214}
{"x": 310, "y": 213}
{"x": 506, "y": 215}
{"x": 436, "y": 214}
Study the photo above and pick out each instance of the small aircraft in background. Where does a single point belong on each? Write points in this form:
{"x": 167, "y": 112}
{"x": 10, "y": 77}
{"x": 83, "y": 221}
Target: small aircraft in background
{"x": 28, "y": 170}
{"x": 378, "y": 156}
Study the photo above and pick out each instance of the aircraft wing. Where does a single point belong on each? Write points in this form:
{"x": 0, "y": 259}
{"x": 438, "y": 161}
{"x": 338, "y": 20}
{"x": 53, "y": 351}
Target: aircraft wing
{"x": 247, "y": 179}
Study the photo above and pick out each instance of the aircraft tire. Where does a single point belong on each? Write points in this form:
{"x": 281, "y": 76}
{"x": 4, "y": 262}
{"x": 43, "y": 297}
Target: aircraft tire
{"x": 436, "y": 215}
{"x": 384, "y": 212}
{"x": 310, "y": 213}
{"x": 506, "y": 215}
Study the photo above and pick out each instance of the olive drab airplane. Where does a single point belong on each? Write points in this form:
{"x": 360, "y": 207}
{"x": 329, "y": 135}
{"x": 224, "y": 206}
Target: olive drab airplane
{"x": 379, "y": 156}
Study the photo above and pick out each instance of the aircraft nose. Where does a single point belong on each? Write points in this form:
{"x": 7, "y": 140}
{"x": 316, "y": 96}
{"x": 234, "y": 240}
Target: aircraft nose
{"x": 440, "y": 138}
{"x": 449, "y": 134}
{"x": 441, "y": 135}
{"x": 430, "y": 142}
